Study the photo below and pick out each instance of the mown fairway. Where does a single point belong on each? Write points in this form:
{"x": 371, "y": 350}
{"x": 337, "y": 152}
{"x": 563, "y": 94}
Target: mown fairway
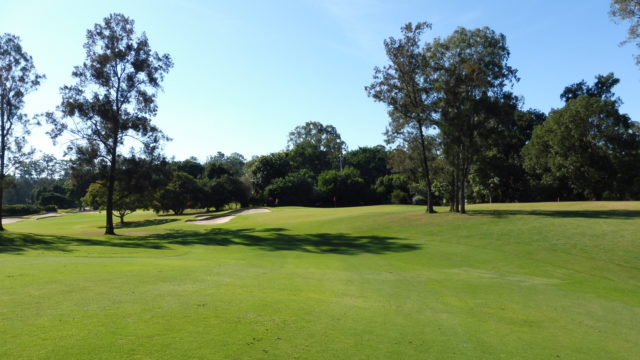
{"x": 521, "y": 281}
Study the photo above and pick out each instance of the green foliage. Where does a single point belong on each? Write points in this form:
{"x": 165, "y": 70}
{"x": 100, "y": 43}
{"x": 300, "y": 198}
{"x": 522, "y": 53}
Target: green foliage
{"x": 190, "y": 166}
{"x": 498, "y": 174}
{"x": 18, "y": 77}
{"x": 602, "y": 88}
{"x": 472, "y": 80}
{"x": 24, "y": 209}
{"x": 55, "y": 199}
{"x": 346, "y": 186}
{"x": 628, "y": 10}
{"x": 399, "y": 197}
{"x": 588, "y": 145}
{"x": 264, "y": 169}
{"x": 310, "y": 156}
{"x": 405, "y": 85}
{"x": 114, "y": 96}
{"x": 371, "y": 163}
{"x": 181, "y": 193}
{"x": 224, "y": 190}
{"x": 386, "y": 185}
{"x": 296, "y": 188}
{"x": 323, "y": 138}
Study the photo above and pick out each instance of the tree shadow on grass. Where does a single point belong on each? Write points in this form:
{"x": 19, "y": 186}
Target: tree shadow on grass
{"x": 267, "y": 239}
{"x": 17, "y": 243}
{"x": 586, "y": 214}
{"x": 145, "y": 223}
{"x": 278, "y": 239}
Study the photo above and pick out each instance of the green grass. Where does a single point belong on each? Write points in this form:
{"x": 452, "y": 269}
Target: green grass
{"x": 518, "y": 281}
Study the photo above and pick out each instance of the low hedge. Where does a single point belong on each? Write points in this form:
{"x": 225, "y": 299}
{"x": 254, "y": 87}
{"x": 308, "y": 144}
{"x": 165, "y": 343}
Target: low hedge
{"x": 25, "y": 209}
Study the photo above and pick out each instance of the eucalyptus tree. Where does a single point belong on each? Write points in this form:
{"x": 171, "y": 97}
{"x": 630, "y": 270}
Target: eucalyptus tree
{"x": 628, "y": 10}
{"x": 114, "y": 96}
{"x": 324, "y": 138}
{"x": 405, "y": 86}
{"x": 471, "y": 79}
{"x": 18, "y": 77}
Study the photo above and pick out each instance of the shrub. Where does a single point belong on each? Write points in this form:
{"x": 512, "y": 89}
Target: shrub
{"x": 50, "y": 208}
{"x": 347, "y": 186}
{"x": 294, "y": 189}
{"x": 419, "y": 200}
{"x": 399, "y": 197}
{"x": 21, "y": 210}
{"x": 387, "y": 185}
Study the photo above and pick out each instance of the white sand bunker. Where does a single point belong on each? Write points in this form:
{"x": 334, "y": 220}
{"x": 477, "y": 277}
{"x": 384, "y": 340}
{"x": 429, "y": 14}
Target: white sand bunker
{"x": 214, "y": 220}
{"x": 11, "y": 220}
{"x": 46, "y": 216}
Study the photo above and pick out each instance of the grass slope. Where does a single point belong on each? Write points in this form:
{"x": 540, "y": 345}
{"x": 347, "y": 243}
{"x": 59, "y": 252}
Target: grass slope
{"x": 525, "y": 281}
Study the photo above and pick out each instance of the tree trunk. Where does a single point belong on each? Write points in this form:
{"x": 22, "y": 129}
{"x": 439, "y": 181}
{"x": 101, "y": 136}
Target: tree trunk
{"x": 109, "y": 230}
{"x": 1, "y": 198}
{"x": 425, "y": 164}
{"x": 454, "y": 191}
{"x": 121, "y": 219}
{"x": 457, "y": 175}
{"x": 2, "y": 156}
{"x": 463, "y": 181}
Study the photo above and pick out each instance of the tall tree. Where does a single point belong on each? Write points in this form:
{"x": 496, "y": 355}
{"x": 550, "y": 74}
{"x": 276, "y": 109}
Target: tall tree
{"x": 404, "y": 86}
{"x": 601, "y": 88}
{"x": 114, "y": 96}
{"x": 323, "y": 137}
{"x": 628, "y": 10}
{"x": 589, "y": 146}
{"x": 18, "y": 77}
{"x": 472, "y": 74}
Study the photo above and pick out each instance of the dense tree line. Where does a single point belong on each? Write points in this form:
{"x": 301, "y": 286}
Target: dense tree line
{"x": 456, "y": 134}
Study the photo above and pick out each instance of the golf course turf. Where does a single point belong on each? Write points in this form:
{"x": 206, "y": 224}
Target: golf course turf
{"x": 506, "y": 281}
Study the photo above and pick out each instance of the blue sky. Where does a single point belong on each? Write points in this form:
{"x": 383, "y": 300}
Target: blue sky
{"x": 247, "y": 72}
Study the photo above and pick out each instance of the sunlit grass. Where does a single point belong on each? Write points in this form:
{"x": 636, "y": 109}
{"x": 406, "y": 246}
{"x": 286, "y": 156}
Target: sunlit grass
{"x": 512, "y": 281}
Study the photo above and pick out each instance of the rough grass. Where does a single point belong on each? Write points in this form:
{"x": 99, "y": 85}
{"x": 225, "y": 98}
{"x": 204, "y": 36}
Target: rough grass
{"x": 517, "y": 281}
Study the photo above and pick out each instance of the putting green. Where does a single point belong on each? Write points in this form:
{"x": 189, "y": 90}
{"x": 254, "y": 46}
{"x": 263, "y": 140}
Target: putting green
{"x": 507, "y": 281}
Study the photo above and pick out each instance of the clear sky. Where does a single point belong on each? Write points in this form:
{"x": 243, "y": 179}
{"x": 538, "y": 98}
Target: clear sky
{"x": 247, "y": 72}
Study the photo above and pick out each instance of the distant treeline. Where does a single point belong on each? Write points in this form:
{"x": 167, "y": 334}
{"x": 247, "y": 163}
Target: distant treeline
{"x": 456, "y": 134}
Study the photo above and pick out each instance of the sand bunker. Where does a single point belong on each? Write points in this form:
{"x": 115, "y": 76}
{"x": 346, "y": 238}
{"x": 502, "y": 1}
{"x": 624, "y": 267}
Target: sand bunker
{"x": 45, "y": 216}
{"x": 214, "y": 220}
{"x": 218, "y": 220}
{"x": 252, "y": 211}
{"x": 11, "y": 220}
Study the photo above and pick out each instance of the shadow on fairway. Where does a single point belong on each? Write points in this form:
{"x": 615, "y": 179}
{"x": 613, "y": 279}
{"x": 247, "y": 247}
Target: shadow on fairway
{"x": 278, "y": 239}
{"x": 268, "y": 239}
{"x": 586, "y": 214}
{"x": 144, "y": 223}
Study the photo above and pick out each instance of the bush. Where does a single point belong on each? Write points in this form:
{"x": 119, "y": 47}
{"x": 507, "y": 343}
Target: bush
{"x": 56, "y": 200}
{"x": 20, "y": 210}
{"x": 346, "y": 186}
{"x": 399, "y": 197}
{"x": 294, "y": 189}
{"x": 50, "y": 208}
{"x": 387, "y": 185}
{"x": 419, "y": 200}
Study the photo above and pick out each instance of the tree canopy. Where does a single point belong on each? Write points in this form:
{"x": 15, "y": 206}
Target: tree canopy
{"x": 18, "y": 77}
{"x": 114, "y": 96}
